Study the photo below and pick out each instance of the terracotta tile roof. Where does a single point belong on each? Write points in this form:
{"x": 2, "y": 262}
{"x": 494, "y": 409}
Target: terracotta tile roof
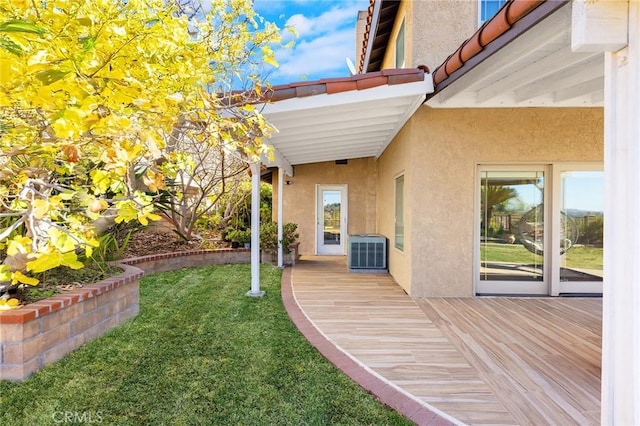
{"x": 345, "y": 84}
{"x": 367, "y": 34}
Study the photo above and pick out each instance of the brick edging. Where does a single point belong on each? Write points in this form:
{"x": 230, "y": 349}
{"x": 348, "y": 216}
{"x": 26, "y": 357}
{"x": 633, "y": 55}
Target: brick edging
{"x": 160, "y": 256}
{"x": 382, "y": 389}
{"x": 46, "y": 306}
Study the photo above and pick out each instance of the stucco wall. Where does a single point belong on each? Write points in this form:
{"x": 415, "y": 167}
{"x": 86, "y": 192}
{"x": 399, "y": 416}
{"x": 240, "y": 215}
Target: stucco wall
{"x": 359, "y": 175}
{"x": 446, "y": 145}
{"x": 395, "y": 161}
{"x": 431, "y": 41}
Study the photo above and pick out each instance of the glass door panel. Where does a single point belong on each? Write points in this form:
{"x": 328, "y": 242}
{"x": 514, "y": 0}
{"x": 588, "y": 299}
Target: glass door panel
{"x": 512, "y": 232}
{"x": 331, "y": 217}
{"x": 581, "y": 231}
{"x": 331, "y": 220}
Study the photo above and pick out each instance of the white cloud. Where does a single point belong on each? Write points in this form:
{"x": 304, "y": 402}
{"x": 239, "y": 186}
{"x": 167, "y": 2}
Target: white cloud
{"x": 324, "y": 54}
{"x": 336, "y": 17}
{"x": 322, "y": 44}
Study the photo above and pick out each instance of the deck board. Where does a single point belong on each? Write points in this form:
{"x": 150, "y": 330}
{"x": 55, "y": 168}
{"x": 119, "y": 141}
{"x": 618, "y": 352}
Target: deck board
{"x": 528, "y": 361}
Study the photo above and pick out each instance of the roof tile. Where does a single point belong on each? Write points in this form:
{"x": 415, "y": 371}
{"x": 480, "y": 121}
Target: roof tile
{"x": 400, "y": 71}
{"x": 279, "y": 93}
{"x": 454, "y": 62}
{"x": 345, "y": 84}
{"x": 470, "y": 49}
{"x": 405, "y": 78}
{"x": 368, "y": 83}
{"x": 497, "y": 26}
{"x": 520, "y": 8}
{"x": 304, "y": 90}
{"x": 367, "y": 75}
{"x": 341, "y": 86}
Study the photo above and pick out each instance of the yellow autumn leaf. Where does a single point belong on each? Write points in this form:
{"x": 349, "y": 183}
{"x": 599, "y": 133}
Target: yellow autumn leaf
{"x": 44, "y": 262}
{"x": 61, "y": 240}
{"x": 19, "y": 245}
{"x": 100, "y": 180}
{"x": 70, "y": 259}
{"x": 127, "y": 212}
{"x": 19, "y": 277}
{"x": 40, "y": 208}
{"x": 12, "y": 303}
{"x": 5, "y": 273}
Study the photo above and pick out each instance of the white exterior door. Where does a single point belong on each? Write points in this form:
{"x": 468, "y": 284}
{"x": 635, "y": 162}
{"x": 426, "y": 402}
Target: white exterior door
{"x": 331, "y": 219}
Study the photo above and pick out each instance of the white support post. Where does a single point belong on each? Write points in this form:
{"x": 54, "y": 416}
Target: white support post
{"x": 621, "y": 293}
{"x": 280, "y": 224}
{"x": 255, "y": 231}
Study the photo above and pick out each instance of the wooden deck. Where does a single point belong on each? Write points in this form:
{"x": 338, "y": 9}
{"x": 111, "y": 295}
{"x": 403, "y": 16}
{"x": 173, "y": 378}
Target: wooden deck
{"x": 528, "y": 361}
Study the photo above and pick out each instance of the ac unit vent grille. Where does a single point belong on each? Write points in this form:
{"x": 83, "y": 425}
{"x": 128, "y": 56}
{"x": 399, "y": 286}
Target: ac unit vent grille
{"x": 367, "y": 252}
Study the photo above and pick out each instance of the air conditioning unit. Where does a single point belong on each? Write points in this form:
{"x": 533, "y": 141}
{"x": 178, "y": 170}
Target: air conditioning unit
{"x": 367, "y": 253}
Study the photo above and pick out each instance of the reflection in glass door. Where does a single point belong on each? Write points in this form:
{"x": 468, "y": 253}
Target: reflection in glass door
{"x": 581, "y": 222}
{"x": 512, "y": 231}
{"x": 331, "y": 219}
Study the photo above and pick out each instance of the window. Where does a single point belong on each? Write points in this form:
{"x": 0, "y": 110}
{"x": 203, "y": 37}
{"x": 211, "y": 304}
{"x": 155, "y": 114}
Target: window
{"x": 488, "y": 8}
{"x": 399, "y": 218}
{"x": 400, "y": 47}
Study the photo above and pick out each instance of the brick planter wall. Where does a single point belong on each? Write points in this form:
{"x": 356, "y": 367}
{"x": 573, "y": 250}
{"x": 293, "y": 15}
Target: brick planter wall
{"x": 189, "y": 259}
{"x": 41, "y": 333}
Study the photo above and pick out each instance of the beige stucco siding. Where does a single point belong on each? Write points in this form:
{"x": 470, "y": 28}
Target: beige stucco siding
{"x": 431, "y": 41}
{"x": 446, "y": 146}
{"x": 395, "y": 161}
{"x": 359, "y": 175}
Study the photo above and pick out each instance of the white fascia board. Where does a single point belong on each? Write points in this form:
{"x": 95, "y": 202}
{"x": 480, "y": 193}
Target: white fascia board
{"x": 379, "y": 93}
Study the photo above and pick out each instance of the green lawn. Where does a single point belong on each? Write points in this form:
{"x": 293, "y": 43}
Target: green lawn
{"x": 576, "y": 257}
{"x": 199, "y": 353}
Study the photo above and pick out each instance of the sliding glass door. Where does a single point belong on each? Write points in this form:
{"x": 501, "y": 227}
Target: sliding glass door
{"x": 518, "y": 251}
{"x": 580, "y": 218}
{"x": 512, "y": 231}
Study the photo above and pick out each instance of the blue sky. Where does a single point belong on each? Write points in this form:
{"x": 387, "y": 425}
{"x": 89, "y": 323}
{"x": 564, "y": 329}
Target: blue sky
{"x": 326, "y": 36}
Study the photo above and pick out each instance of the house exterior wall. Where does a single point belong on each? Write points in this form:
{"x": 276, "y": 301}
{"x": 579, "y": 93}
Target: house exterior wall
{"x": 360, "y": 176}
{"x": 396, "y": 161}
{"x": 425, "y": 41}
{"x": 445, "y": 147}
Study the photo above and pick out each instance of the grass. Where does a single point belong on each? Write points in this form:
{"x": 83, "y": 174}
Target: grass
{"x": 199, "y": 353}
{"x": 576, "y": 257}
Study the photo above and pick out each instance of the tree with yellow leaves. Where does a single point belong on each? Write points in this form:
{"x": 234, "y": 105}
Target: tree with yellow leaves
{"x": 93, "y": 95}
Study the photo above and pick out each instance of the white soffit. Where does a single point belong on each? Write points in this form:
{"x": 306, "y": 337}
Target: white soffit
{"x": 538, "y": 69}
{"x": 353, "y": 124}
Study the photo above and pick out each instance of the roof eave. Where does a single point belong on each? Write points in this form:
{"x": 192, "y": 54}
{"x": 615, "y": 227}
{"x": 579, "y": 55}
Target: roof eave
{"x": 508, "y": 28}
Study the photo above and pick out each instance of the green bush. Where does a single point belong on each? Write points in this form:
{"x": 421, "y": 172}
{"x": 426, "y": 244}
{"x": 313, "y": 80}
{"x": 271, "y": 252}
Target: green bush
{"x": 269, "y": 236}
{"x": 239, "y": 235}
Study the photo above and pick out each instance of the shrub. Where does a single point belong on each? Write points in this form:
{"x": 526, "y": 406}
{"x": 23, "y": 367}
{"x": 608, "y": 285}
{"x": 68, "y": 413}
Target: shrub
{"x": 269, "y": 236}
{"x": 239, "y": 235}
